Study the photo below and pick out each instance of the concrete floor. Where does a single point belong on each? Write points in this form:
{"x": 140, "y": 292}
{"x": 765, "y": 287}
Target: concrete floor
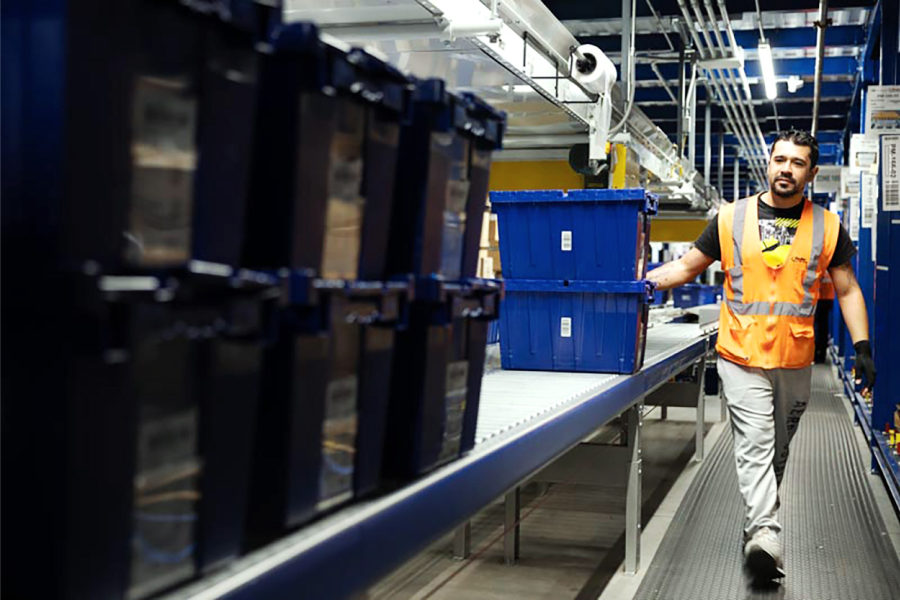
{"x": 572, "y": 536}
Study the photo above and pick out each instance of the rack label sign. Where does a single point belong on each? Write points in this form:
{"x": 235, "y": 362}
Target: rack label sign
{"x": 882, "y": 109}
{"x": 890, "y": 171}
{"x": 566, "y": 244}
{"x": 565, "y": 327}
{"x": 869, "y": 183}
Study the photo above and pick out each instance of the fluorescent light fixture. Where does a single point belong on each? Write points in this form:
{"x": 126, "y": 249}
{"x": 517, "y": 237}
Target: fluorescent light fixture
{"x": 768, "y": 70}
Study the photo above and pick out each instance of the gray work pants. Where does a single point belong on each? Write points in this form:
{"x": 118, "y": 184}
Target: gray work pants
{"x": 765, "y": 406}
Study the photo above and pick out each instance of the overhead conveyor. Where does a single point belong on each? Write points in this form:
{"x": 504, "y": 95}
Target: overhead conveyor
{"x": 526, "y": 420}
{"x": 834, "y": 538}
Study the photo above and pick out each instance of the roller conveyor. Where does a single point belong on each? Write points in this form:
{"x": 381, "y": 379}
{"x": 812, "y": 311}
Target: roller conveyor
{"x": 526, "y": 419}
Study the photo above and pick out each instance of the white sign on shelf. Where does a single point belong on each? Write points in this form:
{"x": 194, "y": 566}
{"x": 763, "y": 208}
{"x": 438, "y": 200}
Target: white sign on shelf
{"x": 890, "y": 171}
{"x": 869, "y": 183}
{"x": 849, "y": 183}
{"x": 565, "y": 327}
{"x": 854, "y": 218}
{"x": 882, "y": 109}
{"x": 863, "y": 152}
{"x": 828, "y": 179}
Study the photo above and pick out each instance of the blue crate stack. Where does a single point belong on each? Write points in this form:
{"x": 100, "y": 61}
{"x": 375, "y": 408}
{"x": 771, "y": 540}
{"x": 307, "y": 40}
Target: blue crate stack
{"x": 574, "y": 265}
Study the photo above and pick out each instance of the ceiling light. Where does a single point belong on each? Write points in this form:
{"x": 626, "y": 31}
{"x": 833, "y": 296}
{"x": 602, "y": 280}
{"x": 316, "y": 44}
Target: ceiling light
{"x": 768, "y": 70}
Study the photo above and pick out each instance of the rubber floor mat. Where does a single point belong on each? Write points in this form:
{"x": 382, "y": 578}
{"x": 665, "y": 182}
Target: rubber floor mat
{"x": 835, "y": 542}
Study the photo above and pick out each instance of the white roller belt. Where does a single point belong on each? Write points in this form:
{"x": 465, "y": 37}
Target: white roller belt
{"x": 511, "y": 399}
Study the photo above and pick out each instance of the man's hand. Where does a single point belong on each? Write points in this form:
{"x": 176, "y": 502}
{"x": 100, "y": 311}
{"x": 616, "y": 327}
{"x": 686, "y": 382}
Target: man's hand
{"x": 681, "y": 271}
{"x": 865, "y": 366}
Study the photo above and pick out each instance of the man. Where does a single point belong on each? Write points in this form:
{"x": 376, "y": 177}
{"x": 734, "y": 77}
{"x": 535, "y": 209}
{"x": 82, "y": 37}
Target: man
{"x": 775, "y": 249}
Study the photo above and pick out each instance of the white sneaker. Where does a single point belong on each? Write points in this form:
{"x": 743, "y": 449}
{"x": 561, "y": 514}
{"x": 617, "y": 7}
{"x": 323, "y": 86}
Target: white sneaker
{"x": 763, "y": 555}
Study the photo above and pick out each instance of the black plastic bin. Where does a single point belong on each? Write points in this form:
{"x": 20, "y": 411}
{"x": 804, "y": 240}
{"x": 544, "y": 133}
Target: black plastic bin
{"x": 324, "y": 401}
{"x": 436, "y": 381}
{"x": 152, "y": 429}
{"x": 442, "y": 182}
{"x": 326, "y": 150}
{"x": 171, "y": 142}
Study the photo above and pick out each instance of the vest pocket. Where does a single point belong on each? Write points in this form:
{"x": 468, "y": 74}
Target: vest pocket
{"x": 800, "y": 351}
{"x": 740, "y": 332}
{"x": 802, "y": 330}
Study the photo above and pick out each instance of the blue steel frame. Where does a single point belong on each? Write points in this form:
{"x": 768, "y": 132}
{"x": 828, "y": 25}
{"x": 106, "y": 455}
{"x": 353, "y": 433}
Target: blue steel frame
{"x": 886, "y": 284}
{"x": 354, "y": 548}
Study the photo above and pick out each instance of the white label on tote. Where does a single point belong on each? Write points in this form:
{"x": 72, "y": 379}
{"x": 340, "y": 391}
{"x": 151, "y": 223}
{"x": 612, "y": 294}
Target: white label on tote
{"x": 566, "y": 241}
{"x": 565, "y": 327}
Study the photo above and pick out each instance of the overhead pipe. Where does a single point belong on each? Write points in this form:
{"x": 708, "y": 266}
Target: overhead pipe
{"x": 743, "y": 75}
{"x": 680, "y": 125}
{"x": 723, "y": 92}
{"x": 821, "y": 25}
{"x": 707, "y": 142}
{"x": 747, "y": 116}
{"x": 730, "y": 115}
{"x": 692, "y": 134}
{"x": 721, "y": 159}
{"x": 751, "y": 114}
{"x": 710, "y": 11}
{"x": 742, "y": 117}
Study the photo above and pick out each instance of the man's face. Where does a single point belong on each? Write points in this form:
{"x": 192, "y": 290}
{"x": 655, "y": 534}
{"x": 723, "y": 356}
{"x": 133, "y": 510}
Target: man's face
{"x": 789, "y": 169}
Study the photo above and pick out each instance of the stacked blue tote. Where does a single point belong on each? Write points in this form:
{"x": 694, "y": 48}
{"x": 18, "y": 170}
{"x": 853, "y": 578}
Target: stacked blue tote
{"x": 574, "y": 266}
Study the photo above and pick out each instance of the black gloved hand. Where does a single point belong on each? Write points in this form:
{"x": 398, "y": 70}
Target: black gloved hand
{"x": 865, "y": 366}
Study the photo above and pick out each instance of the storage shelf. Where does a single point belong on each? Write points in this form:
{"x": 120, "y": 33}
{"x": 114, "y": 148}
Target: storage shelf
{"x": 526, "y": 420}
{"x": 887, "y": 463}
{"x": 861, "y": 408}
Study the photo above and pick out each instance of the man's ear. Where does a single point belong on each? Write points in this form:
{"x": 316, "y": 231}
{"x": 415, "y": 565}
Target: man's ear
{"x": 813, "y": 172}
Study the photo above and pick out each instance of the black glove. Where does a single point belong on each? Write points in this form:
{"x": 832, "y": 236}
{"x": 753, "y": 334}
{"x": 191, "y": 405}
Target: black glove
{"x": 865, "y": 366}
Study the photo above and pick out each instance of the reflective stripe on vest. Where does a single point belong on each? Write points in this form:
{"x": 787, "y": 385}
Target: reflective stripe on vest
{"x": 807, "y": 307}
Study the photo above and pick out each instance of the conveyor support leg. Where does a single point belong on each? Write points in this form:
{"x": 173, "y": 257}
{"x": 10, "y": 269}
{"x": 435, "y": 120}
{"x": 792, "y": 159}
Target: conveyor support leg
{"x": 462, "y": 541}
{"x": 701, "y": 410}
{"x": 633, "y": 499}
{"x": 511, "y": 526}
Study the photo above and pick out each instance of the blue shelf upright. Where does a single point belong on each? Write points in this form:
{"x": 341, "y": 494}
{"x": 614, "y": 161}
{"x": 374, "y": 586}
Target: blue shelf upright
{"x": 887, "y": 284}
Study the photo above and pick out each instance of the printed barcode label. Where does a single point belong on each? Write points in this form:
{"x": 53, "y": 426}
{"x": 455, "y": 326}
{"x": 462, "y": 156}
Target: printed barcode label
{"x": 891, "y": 173}
{"x": 566, "y": 241}
{"x": 565, "y": 327}
{"x": 868, "y": 217}
{"x": 869, "y": 199}
{"x": 892, "y": 195}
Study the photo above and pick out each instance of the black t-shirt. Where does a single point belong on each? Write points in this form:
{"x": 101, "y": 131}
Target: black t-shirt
{"x": 777, "y": 227}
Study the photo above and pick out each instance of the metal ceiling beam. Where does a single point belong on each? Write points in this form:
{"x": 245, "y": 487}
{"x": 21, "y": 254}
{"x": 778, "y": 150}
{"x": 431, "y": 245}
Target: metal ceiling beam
{"x": 750, "y": 54}
{"x": 802, "y": 67}
{"x": 752, "y": 80}
{"x": 746, "y": 22}
{"x": 756, "y": 102}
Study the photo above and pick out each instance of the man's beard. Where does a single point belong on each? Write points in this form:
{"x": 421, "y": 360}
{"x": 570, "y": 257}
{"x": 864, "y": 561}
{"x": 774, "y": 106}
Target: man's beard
{"x": 784, "y": 193}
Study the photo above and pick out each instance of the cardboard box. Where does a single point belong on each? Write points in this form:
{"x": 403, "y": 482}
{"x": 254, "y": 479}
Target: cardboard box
{"x": 486, "y": 267}
{"x": 485, "y": 241}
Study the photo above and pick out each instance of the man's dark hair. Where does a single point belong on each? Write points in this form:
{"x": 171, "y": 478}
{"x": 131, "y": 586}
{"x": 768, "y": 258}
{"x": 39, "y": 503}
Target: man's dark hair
{"x": 800, "y": 138}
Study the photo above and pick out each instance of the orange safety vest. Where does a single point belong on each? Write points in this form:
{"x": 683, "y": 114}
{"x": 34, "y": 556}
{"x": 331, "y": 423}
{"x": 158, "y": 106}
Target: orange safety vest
{"x": 767, "y": 315}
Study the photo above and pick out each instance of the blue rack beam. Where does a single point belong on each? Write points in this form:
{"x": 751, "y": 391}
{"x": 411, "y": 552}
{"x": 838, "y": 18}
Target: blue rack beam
{"x": 354, "y": 548}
